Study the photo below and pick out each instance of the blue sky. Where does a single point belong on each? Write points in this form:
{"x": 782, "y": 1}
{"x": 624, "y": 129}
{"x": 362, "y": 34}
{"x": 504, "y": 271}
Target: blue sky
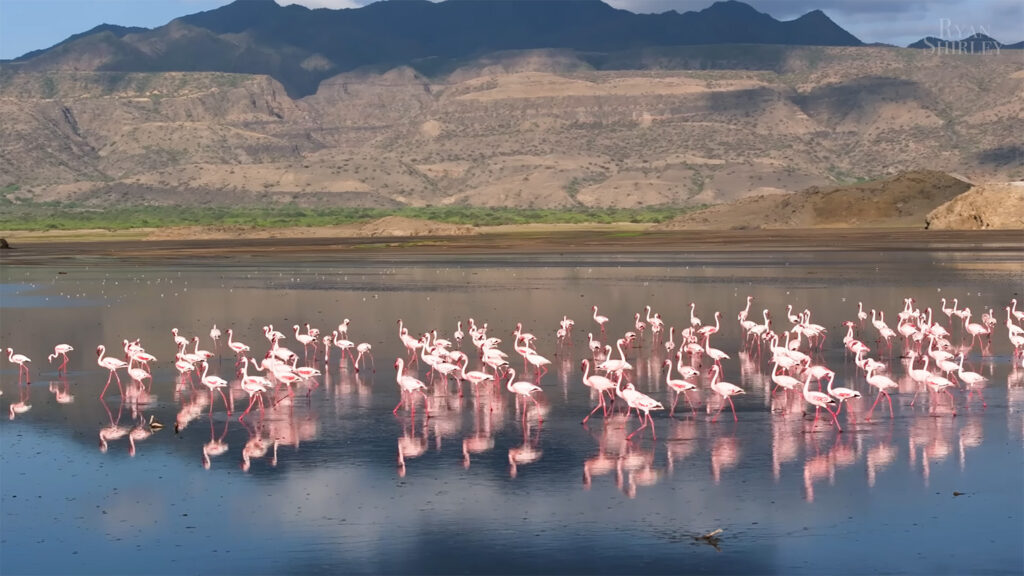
{"x": 32, "y": 24}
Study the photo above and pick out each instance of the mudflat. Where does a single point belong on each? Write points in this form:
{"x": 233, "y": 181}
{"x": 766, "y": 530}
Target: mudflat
{"x": 546, "y": 240}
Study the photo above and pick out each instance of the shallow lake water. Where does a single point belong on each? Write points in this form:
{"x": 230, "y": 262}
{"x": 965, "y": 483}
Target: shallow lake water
{"x": 334, "y": 482}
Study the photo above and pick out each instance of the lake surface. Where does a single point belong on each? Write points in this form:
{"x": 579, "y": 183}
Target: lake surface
{"x": 316, "y": 486}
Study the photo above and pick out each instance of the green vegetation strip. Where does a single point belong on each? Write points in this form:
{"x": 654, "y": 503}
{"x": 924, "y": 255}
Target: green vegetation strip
{"x": 71, "y": 216}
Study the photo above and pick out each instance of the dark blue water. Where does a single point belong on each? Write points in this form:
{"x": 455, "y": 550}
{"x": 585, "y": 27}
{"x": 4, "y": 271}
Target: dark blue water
{"x": 315, "y": 485}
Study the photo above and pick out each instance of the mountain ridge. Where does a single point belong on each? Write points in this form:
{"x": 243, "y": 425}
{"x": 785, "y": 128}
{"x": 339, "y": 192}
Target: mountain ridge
{"x": 301, "y": 47}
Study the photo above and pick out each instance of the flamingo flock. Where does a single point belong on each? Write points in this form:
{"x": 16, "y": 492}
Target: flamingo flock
{"x": 790, "y": 357}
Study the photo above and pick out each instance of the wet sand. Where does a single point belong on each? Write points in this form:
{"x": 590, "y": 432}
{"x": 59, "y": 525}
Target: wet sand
{"x": 544, "y": 241}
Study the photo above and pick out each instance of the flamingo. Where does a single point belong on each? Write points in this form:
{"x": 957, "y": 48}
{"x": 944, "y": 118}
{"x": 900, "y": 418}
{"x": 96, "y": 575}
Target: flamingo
{"x": 408, "y": 385}
{"x": 940, "y": 384}
{"x": 215, "y": 336}
{"x": 237, "y": 347}
{"x": 304, "y": 339}
{"x": 20, "y": 360}
{"x": 725, "y": 390}
{"x": 782, "y": 380}
{"x": 883, "y": 383}
{"x": 973, "y": 380}
{"x": 919, "y": 375}
{"x": 61, "y": 350}
{"x": 254, "y": 386}
{"x": 524, "y": 389}
{"x": 137, "y": 374}
{"x": 1019, "y": 315}
{"x": 695, "y": 322}
{"x": 714, "y": 353}
{"x": 112, "y": 364}
{"x": 214, "y": 383}
{"x": 179, "y": 340}
{"x": 841, "y": 394}
{"x": 475, "y": 377}
{"x": 679, "y": 387}
{"x": 642, "y": 403}
{"x": 598, "y": 383}
{"x": 707, "y": 331}
{"x": 820, "y": 400}
{"x": 601, "y": 320}
{"x": 363, "y": 349}
{"x": 612, "y": 364}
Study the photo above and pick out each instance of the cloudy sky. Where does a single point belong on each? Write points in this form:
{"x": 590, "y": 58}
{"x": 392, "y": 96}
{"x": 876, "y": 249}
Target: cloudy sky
{"x": 32, "y": 24}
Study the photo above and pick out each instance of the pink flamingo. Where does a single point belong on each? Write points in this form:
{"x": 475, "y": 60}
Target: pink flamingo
{"x": 254, "y": 386}
{"x": 883, "y": 383}
{"x": 237, "y": 347}
{"x": 20, "y": 360}
{"x": 726, "y": 390}
{"x": 408, "y": 385}
{"x": 600, "y": 384}
{"x": 841, "y": 394}
{"x": 61, "y": 350}
{"x": 679, "y": 387}
{"x": 214, "y": 383}
{"x": 524, "y": 389}
{"x": 975, "y": 382}
{"x": 641, "y": 402}
{"x": 820, "y": 400}
{"x": 304, "y": 339}
{"x": 695, "y": 322}
{"x": 783, "y": 380}
{"x": 707, "y": 331}
{"x": 601, "y": 320}
{"x": 364, "y": 349}
{"x": 215, "y": 336}
{"x": 112, "y": 364}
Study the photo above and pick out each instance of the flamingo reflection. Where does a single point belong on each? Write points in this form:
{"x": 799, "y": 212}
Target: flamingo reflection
{"x": 725, "y": 454}
{"x": 527, "y": 453}
{"x": 216, "y": 446}
{"x": 256, "y": 447}
{"x": 22, "y": 405}
{"x": 410, "y": 445}
{"x": 114, "y": 431}
{"x": 482, "y": 439}
{"x": 61, "y": 391}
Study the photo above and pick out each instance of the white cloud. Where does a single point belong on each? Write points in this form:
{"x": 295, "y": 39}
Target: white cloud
{"x": 313, "y": 4}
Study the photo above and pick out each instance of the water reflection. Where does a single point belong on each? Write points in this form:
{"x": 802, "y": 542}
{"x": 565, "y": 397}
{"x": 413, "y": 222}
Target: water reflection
{"x": 335, "y": 424}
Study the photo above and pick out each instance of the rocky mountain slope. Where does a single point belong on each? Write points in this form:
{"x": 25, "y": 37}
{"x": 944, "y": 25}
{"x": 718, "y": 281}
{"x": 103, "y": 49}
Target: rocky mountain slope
{"x": 903, "y": 201}
{"x": 985, "y": 207}
{"x": 539, "y": 128}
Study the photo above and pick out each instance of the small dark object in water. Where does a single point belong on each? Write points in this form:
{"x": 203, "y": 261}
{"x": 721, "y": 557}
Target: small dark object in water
{"x": 4, "y": 245}
{"x": 711, "y": 538}
{"x": 154, "y": 424}
{"x": 955, "y": 493}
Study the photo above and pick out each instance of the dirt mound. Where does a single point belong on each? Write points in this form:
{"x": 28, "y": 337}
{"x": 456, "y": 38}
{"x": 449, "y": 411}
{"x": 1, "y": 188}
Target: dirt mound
{"x": 902, "y": 201}
{"x": 993, "y": 206}
{"x": 399, "y": 226}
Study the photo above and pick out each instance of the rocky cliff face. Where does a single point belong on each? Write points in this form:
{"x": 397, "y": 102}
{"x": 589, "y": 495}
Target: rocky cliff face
{"x": 996, "y": 206}
{"x": 535, "y": 128}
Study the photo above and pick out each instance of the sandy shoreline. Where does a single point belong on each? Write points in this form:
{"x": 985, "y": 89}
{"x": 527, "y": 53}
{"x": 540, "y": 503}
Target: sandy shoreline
{"x": 539, "y": 241}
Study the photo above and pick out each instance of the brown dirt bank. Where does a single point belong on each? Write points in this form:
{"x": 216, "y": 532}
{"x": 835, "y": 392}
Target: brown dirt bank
{"x": 536, "y": 243}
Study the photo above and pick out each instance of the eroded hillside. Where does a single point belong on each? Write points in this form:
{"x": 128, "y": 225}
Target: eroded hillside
{"x": 525, "y": 129}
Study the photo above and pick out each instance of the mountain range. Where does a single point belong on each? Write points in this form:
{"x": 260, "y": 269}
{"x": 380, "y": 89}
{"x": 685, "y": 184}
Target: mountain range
{"x": 300, "y": 47}
{"x": 530, "y": 104}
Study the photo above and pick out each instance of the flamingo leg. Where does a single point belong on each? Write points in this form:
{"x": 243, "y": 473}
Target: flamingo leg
{"x": 399, "y": 405}
{"x": 720, "y": 406}
{"x": 638, "y": 429}
{"x": 600, "y": 404}
{"x": 688, "y": 401}
{"x": 733, "y": 406}
{"x": 889, "y": 398}
{"x": 426, "y": 410}
{"x": 223, "y": 397}
{"x": 870, "y": 412}
{"x": 952, "y": 403}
